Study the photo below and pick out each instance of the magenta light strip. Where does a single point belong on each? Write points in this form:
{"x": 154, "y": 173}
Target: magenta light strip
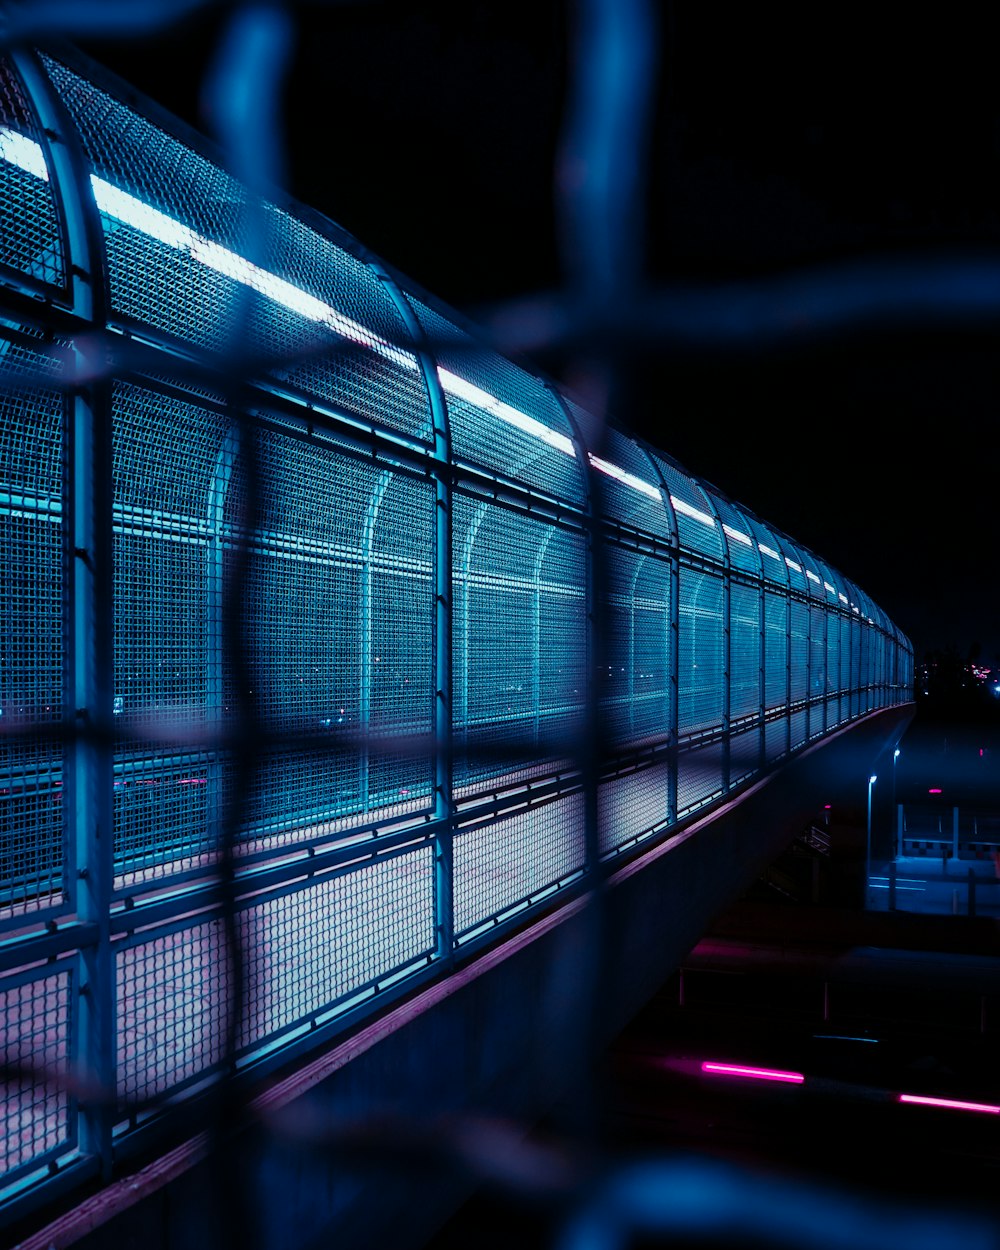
{"x": 757, "y": 1074}
{"x": 952, "y": 1103}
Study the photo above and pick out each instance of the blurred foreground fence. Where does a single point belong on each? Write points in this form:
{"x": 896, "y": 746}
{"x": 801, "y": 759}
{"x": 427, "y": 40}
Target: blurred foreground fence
{"x": 314, "y": 606}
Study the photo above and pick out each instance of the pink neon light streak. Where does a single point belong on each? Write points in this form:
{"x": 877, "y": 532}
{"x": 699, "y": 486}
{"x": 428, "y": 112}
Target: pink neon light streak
{"x": 953, "y": 1103}
{"x": 757, "y": 1074}
{"x": 934, "y": 790}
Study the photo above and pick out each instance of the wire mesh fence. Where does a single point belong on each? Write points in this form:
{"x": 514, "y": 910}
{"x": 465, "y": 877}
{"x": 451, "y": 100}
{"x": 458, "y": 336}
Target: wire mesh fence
{"x": 335, "y": 641}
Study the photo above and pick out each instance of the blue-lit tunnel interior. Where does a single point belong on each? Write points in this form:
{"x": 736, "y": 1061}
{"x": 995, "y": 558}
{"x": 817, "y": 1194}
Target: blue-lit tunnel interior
{"x": 251, "y": 477}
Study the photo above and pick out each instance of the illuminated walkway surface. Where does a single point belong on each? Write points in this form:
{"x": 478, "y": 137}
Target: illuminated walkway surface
{"x": 413, "y": 522}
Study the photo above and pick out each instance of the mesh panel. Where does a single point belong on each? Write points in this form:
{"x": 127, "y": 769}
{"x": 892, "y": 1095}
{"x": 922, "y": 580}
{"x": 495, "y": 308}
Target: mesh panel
{"x": 743, "y": 553}
{"x": 699, "y": 777}
{"x": 171, "y": 464}
{"x": 173, "y": 997}
{"x": 701, "y": 676}
{"x": 633, "y": 496}
{"x": 799, "y": 627}
{"x": 338, "y": 609}
{"x": 519, "y": 640}
{"x": 179, "y": 233}
{"x": 309, "y": 949}
{"x": 776, "y": 739}
{"x": 772, "y": 563}
{"x": 775, "y": 650}
{"x": 817, "y": 652}
{"x": 628, "y": 806}
{"x": 502, "y": 418}
{"x": 31, "y": 650}
{"x": 697, "y": 528}
{"x": 744, "y": 755}
{"x": 31, "y": 239}
{"x": 634, "y": 685}
{"x": 799, "y": 728}
{"x": 35, "y": 1021}
{"x": 502, "y": 864}
{"x": 744, "y": 650}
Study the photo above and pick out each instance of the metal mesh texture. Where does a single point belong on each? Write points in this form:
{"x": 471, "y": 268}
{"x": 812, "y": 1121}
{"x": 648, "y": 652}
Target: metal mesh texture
{"x": 499, "y": 866}
{"x": 634, "y": 679}
{"x": 338, "y": 611}
{"x": 632, "y": 805}
{"x": 697, "y": 528}
{"x": 191, "y": 255}
{"x": 35, "y": 1036}
{"x": 744, "y": 651}
{"x": 699, "y": 776}
{"x": 172, "y": 460}
{"x": 31, "y": 654}
{"x": 310, "y": 949}
{"x": 519, "y": 639}
{"x": 31, "y": 241}
{"x": 701, "y": 663}
{"x": 501, "y": 418}
{"x": 625, "y": 484}
{"x": 306, "y": 951}
{"x": 293, "y": 517}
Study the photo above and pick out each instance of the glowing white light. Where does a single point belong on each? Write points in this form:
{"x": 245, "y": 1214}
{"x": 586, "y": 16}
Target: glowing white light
{"x": 738, "y": 535}
{"x": 472, "y": 394}
{"x": 22, "y": 152}
{"x": 25, "y": 154}
{"x": 812, "y": 577}
{"x": 623, "y": 476}
{"x": 842, "y": 597}
{"x": 153, "y": 223}
{"x": 767, "y": 551}
{"x": 691, "y": 511}
{"x": 792, "y": 565}
{"x": 831, "y": 589}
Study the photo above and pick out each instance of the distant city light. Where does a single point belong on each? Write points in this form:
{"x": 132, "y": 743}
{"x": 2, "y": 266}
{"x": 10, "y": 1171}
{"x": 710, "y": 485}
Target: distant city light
{"x": 934, "y": 790}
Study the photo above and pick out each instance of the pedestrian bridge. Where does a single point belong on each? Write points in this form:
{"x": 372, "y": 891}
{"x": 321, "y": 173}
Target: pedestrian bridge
{"x": 343, "y": 658}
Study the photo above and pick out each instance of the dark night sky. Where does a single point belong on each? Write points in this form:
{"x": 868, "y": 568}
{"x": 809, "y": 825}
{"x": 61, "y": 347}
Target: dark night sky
{"x": 784, "y": 139}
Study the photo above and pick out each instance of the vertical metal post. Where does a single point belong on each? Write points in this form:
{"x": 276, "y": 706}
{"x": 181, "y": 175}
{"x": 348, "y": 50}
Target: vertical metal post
{"x": 88, "y": 618}
{"x": 441, "y": 474}
{"x": 900, "y": 827}
{"x": 868, "y": 840}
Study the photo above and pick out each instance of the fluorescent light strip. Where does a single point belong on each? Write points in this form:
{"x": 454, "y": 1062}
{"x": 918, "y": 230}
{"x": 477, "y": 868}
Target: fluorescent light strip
{"x": 953, "y": 1104}
{"x": 831, "y": 589}
{"x": 767, "y": 551}
{"x": 114, "y": 202}
{"x": 756, "y": 1074}
{"x": 842, "y": 597}
{"x": 691, "y": 511}
{"x": 25, "y": 154}
{"x": 813, "y": 578}
{"x": 623, "y": 476}
{"x": 22, "y": 152}
{"x": 737, "y": 535}
{"x": 792, "y": 565}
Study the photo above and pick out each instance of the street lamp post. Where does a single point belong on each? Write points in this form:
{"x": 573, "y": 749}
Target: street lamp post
{"x": 868, "y": 843}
